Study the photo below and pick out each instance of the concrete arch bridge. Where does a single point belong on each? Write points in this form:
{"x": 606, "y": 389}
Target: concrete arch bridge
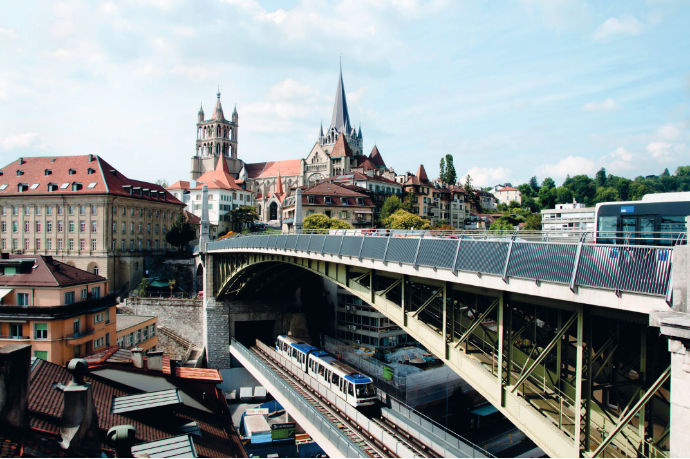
{"x": 563, "y": 338}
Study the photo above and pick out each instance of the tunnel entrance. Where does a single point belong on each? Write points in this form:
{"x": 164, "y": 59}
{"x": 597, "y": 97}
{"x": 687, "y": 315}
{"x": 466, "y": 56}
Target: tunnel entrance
{"x": 247, "y": 332}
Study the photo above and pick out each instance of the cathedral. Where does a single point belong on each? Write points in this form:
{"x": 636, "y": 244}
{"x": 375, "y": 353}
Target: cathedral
{"x": 338, "y": 150}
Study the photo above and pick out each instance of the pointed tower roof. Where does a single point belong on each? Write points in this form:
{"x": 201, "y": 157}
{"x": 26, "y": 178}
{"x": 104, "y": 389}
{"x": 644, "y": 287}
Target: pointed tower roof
{"x": 321, "y": 130}
{"x": 359, "y": 134}
{"x": 341, "y": 118}
{"x": 421, "y": 174}
{"x": 375, "y": 157}
{"x": 218, "y": 112}
{"x": 234, "y": 111}
{"x": 341, "y": 148}
{"x": 201, "y": 109}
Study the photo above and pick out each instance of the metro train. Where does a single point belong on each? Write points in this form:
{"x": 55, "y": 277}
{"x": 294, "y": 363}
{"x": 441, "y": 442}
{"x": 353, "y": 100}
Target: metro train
{"x": 343, "y": 380}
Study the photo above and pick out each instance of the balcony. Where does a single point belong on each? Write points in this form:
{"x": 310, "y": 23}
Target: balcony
{"x": 31, "y": 312}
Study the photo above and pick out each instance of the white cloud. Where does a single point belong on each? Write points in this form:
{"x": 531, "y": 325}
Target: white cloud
{"x": 560, "y": 14}
{"x": 603, "y": 106}
{"x": 572, "y": 165}
{"x": 9, "y": 33}
{"x": 24, "y": 140}
{"x": 487, "y": 176}
{"x": 618, "y": 159}
{"x": 64, "y": 26}
{"x": 356, "y": 95}
{"x": 669, "y": 131}
{"x": 615, "y": 26}
{"x": 659, "y": 150}
{"x": 290, "y": 89}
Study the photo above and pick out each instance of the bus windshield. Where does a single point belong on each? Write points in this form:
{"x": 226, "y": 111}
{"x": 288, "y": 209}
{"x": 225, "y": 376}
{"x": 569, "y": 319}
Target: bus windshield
{"x": 365, "y": 390}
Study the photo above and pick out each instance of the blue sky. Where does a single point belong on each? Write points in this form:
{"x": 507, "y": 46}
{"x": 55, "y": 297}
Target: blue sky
{"x": 510, "y": 88}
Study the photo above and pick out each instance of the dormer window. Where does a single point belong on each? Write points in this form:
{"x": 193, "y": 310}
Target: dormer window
{"x": 22, "y": 187}
{"x": 20, "y": 173}
{"x": 343, "y": 201}
{"x": 71, "y": 172}
{"x": 52, "y": 187}
{"x": 90, "y": 171}
{"x": 48, "y": 172}
{"x": 327, "y": 199}
{"x": 76, "y": 186}
{"x": 127, "y": 188}
{"x": 360, "y": 201}
{"x": 310, "y": 200}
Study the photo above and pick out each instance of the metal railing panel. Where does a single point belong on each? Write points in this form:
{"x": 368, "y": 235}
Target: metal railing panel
{"x": 271, "y": 241}
{"x": 402, "y": 250}
{"x": 332, "y": 245}
{"x": 351, "y": 246}
{"x": 302, "y": 242}
{"x": 291, "y": 242}
{"x": 316, "y": 242}
{"x": 550, "y": 262}
{"x": 438, "y": 253}
{"x": 482, "y": 256}
{"x": 374, "y": 247}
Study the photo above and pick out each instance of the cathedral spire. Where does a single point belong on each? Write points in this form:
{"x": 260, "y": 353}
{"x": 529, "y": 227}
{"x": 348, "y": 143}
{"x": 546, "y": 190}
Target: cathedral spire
{"x": 341, "y": 118}
{"x": 201, "y": 113}
{"x": 321, "y": 130}
{"x": 218, "y": 112}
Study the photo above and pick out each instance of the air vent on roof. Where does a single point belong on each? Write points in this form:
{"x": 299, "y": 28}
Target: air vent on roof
{"x": 90, "y": 171}
{"x": 53, "y": 160}
{"x": 21, "y": 161}
{"x": 47, "y": 172}
{"x": 1, "y": 172}
{"x": 22, "y": 187}
{"x": 114, "y": 172}
{"x": 52, "y": 187}
{"x": 19, "y": 172}
{"x": 90, "y": 158}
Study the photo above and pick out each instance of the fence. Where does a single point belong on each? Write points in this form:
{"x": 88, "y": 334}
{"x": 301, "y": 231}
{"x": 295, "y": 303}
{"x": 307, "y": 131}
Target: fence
{"x": 630, "y": 268}
{"x": 414, "y": 389}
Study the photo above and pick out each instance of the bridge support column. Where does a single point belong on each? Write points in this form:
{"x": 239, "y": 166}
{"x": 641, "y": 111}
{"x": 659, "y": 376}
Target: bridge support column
{"x": 216, "y": 331}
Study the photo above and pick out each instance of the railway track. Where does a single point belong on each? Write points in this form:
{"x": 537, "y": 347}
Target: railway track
{"x": 349, "y": 428}
{"x": 415, "y": 446}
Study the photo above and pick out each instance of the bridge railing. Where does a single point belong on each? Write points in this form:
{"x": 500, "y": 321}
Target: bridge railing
{"x": 619, "y": 267}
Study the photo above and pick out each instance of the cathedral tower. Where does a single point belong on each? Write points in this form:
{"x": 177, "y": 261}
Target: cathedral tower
{"x": 216, "y": 138}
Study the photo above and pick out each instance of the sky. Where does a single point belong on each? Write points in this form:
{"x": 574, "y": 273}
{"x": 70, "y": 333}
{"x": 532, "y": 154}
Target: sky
{"x": 510, "y": 88}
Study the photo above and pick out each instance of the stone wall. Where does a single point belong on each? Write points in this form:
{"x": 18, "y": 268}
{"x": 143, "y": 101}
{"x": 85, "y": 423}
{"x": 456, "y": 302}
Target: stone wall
{"x": 182, "y": 316}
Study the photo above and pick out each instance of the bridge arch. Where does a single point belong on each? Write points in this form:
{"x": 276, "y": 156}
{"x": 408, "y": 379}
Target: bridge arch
{"x": 478, "y": 341}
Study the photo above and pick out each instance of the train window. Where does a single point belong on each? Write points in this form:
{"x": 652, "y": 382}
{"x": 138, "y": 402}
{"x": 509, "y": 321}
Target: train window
{"x": 335, "y": 379}
{"x": 351, "y": 389}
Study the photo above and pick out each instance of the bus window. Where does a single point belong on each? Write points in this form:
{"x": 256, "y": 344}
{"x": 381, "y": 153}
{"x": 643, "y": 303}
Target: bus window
{"x": 628, "y": 228}
{"x": 647, "y": 231}
{"x": 607, "y": 228}
{"x": 670, "y": 227}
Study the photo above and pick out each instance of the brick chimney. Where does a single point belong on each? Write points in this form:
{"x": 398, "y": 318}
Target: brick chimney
{"x": 123, "y": 437}
{"x": 138, "y": 357}
{"x": 79, "y": 421}
{"x": 15, "y": 369}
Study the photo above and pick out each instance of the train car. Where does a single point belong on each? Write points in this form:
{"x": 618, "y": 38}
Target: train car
{"x": 343, "y": 380}
{"x": 658, "y": 219}
{"x": 294, "y": 349}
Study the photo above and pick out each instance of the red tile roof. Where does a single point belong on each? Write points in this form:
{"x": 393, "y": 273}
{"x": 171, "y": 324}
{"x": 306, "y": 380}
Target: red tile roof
{"x": 359, "y": 176}
{"x": 179, "y": 185}
{"x": 421, "y": 173}
{"x": 507, "y": 188}
{"x": 219, "y": 178}
{"x": 87, "y": 170}
{"x": 272, "y": 168}
{"x": 376, "y": 158}
{"x": 341, "y": 148}
{"x": 45, "y": 271}
{"x": 46, "y": 403}
{"x": 366, "y": 164}
{"x": 191, "y": 218}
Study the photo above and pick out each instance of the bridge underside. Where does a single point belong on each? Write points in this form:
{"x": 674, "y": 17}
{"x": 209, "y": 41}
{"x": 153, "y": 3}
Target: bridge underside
{"x": 578, "y": 380}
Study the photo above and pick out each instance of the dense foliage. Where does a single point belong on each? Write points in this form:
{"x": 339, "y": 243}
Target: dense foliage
{"x": 602, "y": 188}
{"x": 181, "y": 232}
{"x": 322, "y": 221}
{"x": 402, "y": 219}
{"x": 245, "y": 215}
{"x": 392, "y": 204}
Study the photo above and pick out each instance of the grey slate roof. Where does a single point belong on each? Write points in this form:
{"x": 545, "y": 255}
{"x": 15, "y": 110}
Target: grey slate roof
{"x": 145, "y": 401}
{"x": 180, "y": 446}
{"x": 341, "y": 118}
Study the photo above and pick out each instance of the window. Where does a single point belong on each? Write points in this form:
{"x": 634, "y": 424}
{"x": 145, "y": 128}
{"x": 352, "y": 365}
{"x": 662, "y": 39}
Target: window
{"x": 94, "y": 226}
{"x": 26, "y": 227}
{"x": 310, "y": 199}
{"x": 114, "y": 244}
{"x": 4, "y": 227}
{"x": 156, "y": 245}
{"x": 69, "y": 298}
{"x": 49, "y": 244}
{"x": 22, "y": 299}
{"x": 59, "y": 228}
{"x": 49, "y": 227}
{"x": 107, "y": 339}
{"x": 26, "y": 244}
{"x": 107, "y": 315}
{"x": 145, "y": 332}
{"x": 156, "y": 229}
{"x": 71, "y": 226}
{"x": 124, "y": 226}
{"x": 43, "y": 355}
{"x": 84, "y": 293}
{"x": 38, "y": 210}
{"x": 38, "y": 227}
{"x": 114, "y": 227}
{"x": 344, "y": 214}
{"x": 38, "y": 244}
{"x": 114, "y": 210}
{"x": 131, "y": 245}
{"x": 77, "y": 349}
{"x": 132, "y": 211}
{"x": 71, "y": 244}
{"x": 93, "y": 244}
{"x": 148, "y": 245}
{"x": 4, "y": 211}
{"x": 82, "y": 210}
{"x": 139, "y": 244}
{"x": 141, "y": 213}
{"x": 98, "y": 318}
{"x": 136, "y": 266}
{"x": 15, "y": 227}
{"x": 131, "y": 228}
{"x": 4, "y": 244}
{"x": 98, "y": 343}
{"x": 17, "y": 331}
{"x": 71, "y": 210}
{"x": 124, "y": 211}
{"x": 92, "y": 185}
{"x": 59, "y": 244}
{"x": 15, "y": 244}
{"x": 27, "y": 210}
{"x": 59, "y": 210}
{"x": 40, "y": 331}
{"x": 148, "y": 228}
{"x": 82, "y": 226}
{"x": 140, "y": 227}
{"x": 123, "y": 245}
{"x": 15, "y": 210}
{"x": 153, "y": 330}
{"x": 71, "y": 172}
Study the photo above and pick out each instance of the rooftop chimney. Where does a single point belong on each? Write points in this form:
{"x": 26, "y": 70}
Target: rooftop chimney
{"x": 79, "y": 421}
{"x": 15, "y": 367}
{"x": 155, "y": 360}
{"x": 123, "y": 437}
{"x": 90, "y": 158}
{"x": 138, "y": 357}
{"x": 21, "y": 161}
{"x": 114, "y": 172}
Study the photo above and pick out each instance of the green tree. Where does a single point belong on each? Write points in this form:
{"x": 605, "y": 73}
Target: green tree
{"x": 181, "y": 232}
{"x": 638, "y": 190}
{"x": 162, "y": 182}
{"x": 471, "y": 195}
{"x": 533, "y": 222}
{"x": 442, "y": 174}
{"x": 408, "y": 203}
{"x": 683, "y": 171}
{"x": 563, "y": 195}
{"x": 534, "y": 185}
{"x": 600, "y": 178}
{"x": 531, "y": 204}
{"x": 323, "y": 222}
{"x": 389, "y": 207}
{"x": 502, "y": 226}
{"x": 547, "y": 196}
{"x": 547, "y": 183}
{"x": 665, "y": 173}
{"x": 451, "y": 175}
{"x": 526, "y": 190}
{"x": 143, "y": 285}
{"x": 405, "y": 220}
{"x": 607, "y": 194}
{"x": 244, "y": 215}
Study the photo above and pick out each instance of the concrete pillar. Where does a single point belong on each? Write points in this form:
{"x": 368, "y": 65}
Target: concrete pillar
{"x": 216, "y": 321}
{"x": 298, "y": 211}
{"x": 205, "y": 224}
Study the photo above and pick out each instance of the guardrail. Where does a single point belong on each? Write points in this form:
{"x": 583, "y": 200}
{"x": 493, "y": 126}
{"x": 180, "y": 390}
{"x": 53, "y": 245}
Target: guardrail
{"x": 346, "y": 446}
{"x": 623, "y": 268}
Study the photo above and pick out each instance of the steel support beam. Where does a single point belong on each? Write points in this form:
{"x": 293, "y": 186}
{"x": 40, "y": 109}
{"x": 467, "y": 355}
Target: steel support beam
{"x": 477, "y": 322}
{"x": 428, "y": 302}
{"x": 630, "y": 414}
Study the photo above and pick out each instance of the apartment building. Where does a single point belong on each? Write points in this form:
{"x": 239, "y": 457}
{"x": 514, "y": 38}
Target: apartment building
{"x": 359, "y": 323}
{"x": 434, "y": 202}
{"x": 61, "y": 311}
{"x": 85, "y": 213}
{"x": 343, "y": 202}
{"x": 507, "y": 194}
{"x": 567, "y": 219}
{"x": 137, "y": 331}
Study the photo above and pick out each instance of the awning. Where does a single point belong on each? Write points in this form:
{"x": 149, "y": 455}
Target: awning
{"x": 5, "y": 291}
{"x": 160, "y": 284}
{"x": 363, "y": 212}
